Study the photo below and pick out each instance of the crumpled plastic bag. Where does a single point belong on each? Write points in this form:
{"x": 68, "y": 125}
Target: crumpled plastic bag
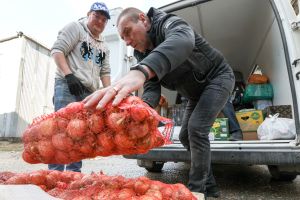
{"x": 276, "y": 128}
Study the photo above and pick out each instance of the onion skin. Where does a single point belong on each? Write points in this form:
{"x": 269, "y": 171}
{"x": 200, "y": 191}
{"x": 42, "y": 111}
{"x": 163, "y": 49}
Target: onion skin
{"x": 77, "y": 128}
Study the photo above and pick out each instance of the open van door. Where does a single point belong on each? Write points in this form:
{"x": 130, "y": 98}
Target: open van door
{"x": 291, "y": 28}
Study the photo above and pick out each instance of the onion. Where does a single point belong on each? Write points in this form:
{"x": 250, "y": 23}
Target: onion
{"x": 86, "y": 148}
{"x": 62, "y": 124}
{"x": 96, "y": 123}
{"x": 18, "y": 179}
{"x": 29, "y": 157}
{"x": 148, "y": 197}
{"x": 155, "y": 193}
{"x": 106, "y": 141}
{"x": 116, "y": 121}
{"x": 139, "y": 114}
{"x": 137, "y": 130}
{"x": 126, "y": 194}
{"x": 46, "y": 150}
{"x": 62, "y": 142}
{"x": 37, "y": 178}
{"x": 47, "y": 127}
{"x": 132, "y": 100}
{"x": 61, "y": 157}
{"x": 77, "y": 128}
{"x": 141, "y": 187}
{"x": 31, "y": 134}
{"x": 167, "y": 192}
{"x": 123, "y": 142}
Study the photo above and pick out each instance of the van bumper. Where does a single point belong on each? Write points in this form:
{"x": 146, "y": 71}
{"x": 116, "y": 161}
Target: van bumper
{"x": 227, "y": 152}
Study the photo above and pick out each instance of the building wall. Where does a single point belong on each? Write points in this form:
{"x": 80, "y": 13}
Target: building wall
{"x": 28, "y": 84}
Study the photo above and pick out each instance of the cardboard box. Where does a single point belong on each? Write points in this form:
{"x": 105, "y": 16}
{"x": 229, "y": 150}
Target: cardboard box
{"x": 220, "y": 129}
{"x": 249, "y": 120}
{"x": 21, "y": 192}
{"x": 285, "y": 111}
{"x": 250, "y": 135}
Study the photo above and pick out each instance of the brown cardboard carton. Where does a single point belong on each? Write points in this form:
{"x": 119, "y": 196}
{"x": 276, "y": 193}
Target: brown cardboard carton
{"x": 250, "y": 135}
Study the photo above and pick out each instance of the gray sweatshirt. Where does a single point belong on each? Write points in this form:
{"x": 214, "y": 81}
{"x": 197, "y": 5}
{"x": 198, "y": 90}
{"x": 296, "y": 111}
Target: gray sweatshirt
{"x": 88, "y": 58}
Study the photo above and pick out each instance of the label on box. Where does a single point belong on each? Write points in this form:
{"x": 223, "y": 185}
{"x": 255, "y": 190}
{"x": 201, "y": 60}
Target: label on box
{"x": 220, "y": 129}
{"x": 249, "y": 120}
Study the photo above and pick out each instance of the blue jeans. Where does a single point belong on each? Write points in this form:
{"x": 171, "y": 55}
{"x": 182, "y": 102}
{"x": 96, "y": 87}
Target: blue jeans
{"x": 229, "y": 112}
{"x": 62, "y": 97}
{"x": 198, "y": 118}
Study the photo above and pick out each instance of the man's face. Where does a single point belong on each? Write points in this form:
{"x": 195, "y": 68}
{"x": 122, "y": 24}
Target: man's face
{"x": 134, "y": 33}
{"x": 96, "y": 22}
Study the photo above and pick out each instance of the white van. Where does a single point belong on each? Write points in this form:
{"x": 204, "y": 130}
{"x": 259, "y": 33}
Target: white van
{"x": 247, "y": 32}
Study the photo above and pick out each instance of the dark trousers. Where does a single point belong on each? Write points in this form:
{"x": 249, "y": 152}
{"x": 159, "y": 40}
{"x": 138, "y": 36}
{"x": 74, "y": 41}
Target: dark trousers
{"x": 229, "y": 112}
{"x": 197, "y": 121}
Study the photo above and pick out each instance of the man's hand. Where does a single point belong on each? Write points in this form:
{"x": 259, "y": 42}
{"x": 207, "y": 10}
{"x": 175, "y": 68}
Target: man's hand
{"x": 75, "y": 86}
{"x": 132, "y": 81}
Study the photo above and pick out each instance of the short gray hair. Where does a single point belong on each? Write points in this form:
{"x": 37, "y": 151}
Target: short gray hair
{"x": 131, "y": 12}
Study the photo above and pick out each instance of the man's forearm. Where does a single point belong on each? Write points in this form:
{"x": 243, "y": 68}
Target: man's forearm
{"x": 61, "y": 63}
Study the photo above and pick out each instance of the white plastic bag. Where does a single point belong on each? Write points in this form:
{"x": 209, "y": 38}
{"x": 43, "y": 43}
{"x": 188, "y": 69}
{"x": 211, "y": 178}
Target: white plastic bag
{"x": 276, "y": 128}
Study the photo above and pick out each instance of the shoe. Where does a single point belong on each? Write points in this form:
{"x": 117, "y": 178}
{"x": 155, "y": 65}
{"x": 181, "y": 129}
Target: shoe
{"x": 216, "y": 194}
{"x": 213, "y": 192}
{"x": 236, "y": 136}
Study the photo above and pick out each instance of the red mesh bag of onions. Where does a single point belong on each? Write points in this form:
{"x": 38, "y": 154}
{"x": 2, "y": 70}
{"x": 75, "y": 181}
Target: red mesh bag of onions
{"x": 74, "y": 133}
{"x": 70, "y": 185}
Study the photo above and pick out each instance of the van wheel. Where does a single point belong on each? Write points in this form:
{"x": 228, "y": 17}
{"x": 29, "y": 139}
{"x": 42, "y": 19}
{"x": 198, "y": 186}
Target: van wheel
{"x": 281, "y": 175}
{"x": 157, "y": 167}
{"x": 151, "y": 166}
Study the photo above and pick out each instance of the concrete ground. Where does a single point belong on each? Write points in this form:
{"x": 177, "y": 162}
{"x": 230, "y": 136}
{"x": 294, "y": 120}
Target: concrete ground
{"x": 235, "y": 182}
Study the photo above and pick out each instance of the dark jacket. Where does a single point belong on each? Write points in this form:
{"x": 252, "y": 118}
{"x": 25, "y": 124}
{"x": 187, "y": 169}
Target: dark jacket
{"x": 181, "y": 58}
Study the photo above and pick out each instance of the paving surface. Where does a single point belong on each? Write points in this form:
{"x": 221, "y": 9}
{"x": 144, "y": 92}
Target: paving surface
{"x": 235, "y": 182}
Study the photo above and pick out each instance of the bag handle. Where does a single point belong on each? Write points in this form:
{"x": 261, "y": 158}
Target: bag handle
{"x": 273, "y": 117}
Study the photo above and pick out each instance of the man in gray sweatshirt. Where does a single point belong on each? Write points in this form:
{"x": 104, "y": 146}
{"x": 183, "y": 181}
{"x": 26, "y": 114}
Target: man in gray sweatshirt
{"x": 82, "y": 58}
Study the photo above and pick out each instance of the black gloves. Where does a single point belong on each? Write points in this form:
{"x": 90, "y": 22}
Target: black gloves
{"x": 75, "y": 86}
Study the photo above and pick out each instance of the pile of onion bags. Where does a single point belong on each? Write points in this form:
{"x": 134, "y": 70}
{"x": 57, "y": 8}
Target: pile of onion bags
{"x": 74, "y": 133}
{"x": 77, "y": 186}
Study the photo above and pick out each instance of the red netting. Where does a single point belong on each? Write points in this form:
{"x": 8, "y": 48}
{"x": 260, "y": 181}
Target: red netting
{"x": 74, "y": 185}
{"x": 74, "y": 133}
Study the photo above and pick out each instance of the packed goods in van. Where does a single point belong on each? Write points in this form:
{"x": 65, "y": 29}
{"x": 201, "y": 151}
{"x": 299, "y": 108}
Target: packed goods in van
{"x": 284, "y": 111}
{"x": 220, "y": 129}
{"x": 249, "y": 120}
{"x": 74, "y": 133}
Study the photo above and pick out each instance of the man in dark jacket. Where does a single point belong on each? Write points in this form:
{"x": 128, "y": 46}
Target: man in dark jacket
{"x": 171, "y": 54}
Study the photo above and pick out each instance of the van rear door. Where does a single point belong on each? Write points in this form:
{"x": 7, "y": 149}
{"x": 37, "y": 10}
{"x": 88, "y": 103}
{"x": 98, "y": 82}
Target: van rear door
{"x": 290, "y": 27}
